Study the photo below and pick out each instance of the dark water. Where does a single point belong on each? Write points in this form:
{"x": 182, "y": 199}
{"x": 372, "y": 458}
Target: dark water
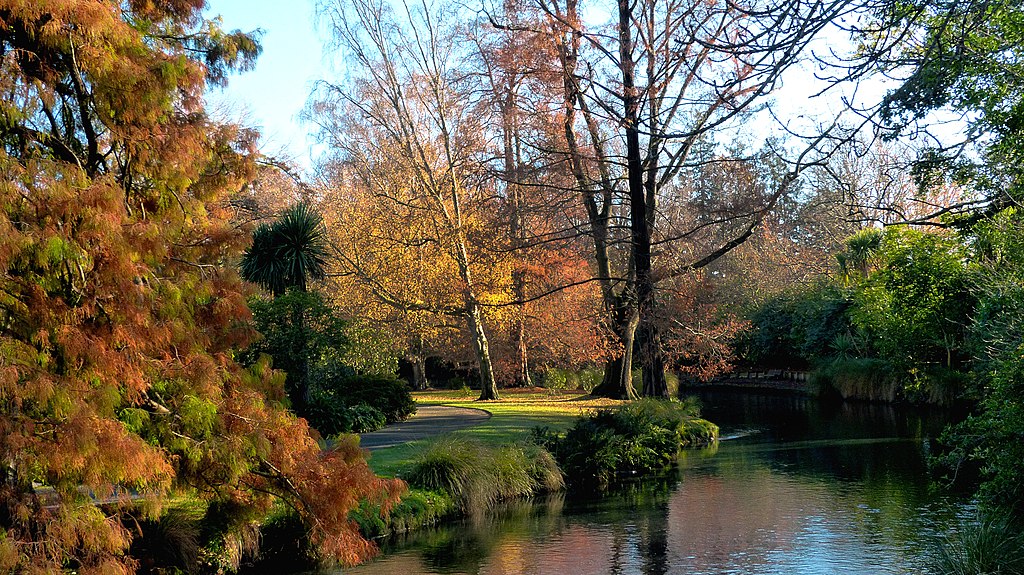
{"x": 796, "y": 488}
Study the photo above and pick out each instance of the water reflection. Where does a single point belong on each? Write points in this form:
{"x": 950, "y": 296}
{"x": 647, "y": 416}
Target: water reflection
{"x": 804, "y": 488}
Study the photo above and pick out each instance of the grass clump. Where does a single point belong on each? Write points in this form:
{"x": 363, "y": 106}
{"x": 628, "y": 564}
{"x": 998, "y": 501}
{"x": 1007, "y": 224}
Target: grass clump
{"x": 477, "y": 476}
{"x": 418, "y": 508}
{"x": 635, "y": 439}
{"x": 990, "y": 546}
{"x": 868, "y": 379}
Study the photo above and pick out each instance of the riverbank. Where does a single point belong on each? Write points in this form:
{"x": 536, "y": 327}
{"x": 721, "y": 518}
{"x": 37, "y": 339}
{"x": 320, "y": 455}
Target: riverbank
{"x": 513, "y": 453}
{"x": 511, "y": 419}
{"x": 847, "y": 379}
{"x": 805, "y": 487}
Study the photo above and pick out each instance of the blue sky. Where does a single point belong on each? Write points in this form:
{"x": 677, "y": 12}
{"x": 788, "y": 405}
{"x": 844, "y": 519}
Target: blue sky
{"x": 272, "y": 96}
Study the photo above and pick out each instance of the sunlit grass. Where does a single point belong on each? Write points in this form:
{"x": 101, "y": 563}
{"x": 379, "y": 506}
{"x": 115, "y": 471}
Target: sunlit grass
{"x": 512, "y": 418}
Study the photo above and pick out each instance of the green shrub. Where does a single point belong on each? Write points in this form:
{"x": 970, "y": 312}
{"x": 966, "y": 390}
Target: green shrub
{"x": 478, "y": 476}
{"x": 417, "y": 508}
{"x": 357, "y": 403}
{"x": 363, "y": 418}
{"x": 636, "y": 439}
{"x": 555, "y": 379}
{"x": 385, "y": 393}
{"x": 590, "y": 378}
{"x": 988, "y": 546}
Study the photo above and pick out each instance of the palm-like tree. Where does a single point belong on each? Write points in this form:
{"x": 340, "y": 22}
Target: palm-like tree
{"x": 288, "y": 253}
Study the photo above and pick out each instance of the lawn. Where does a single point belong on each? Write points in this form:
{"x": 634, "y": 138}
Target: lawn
{"x": 512, "y": 418}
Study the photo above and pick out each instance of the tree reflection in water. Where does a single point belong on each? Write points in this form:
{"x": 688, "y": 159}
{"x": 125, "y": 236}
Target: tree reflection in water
{"x": 805, "y": 488}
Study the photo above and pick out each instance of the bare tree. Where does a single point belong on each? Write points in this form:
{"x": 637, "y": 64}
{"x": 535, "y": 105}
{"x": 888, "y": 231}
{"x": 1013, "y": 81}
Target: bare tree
{"x": 640, "y": 97}
{"x": 408, "y": 109}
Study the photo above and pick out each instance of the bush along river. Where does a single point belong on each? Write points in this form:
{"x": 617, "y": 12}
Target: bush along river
{"x": 795, "y": 487}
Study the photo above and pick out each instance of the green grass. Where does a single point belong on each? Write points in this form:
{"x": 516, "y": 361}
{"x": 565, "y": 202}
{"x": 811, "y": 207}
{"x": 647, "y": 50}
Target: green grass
{"x": 512, "y": 419}
{"x": 989, "y": 546}
{"x": 479, "y": 476}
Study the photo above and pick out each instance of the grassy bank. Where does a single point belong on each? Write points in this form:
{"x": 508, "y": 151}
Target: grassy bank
{"x": 512, "y": 420}
{"x": 533, "y": 444}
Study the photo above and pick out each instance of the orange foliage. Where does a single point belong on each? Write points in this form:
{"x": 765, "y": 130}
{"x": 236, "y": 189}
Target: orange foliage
{"x": 697, "y": 331}
{"x": 119, "y": 303}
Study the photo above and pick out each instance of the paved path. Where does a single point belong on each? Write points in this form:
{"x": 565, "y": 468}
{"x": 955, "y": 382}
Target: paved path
{"x": 430, "y": 420}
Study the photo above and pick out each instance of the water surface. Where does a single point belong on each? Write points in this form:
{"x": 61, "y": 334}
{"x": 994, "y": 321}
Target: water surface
{"x": 796, "y": 488}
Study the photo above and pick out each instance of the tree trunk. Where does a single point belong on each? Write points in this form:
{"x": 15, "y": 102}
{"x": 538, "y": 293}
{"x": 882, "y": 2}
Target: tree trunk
{"x": 653, "y": 361}
{"x": 651, "y": 357}
{"x": 517, "y": 233}
{"x": 522, "y": 377}
{"x": 618, "y": 373}
{"x": 418, "y": 364}
{"x": 300, "y": 385}
{"x": 488, "y": 386}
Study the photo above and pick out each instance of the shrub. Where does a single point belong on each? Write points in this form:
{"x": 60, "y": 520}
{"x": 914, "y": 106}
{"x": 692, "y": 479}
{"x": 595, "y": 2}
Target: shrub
{"x": 590, "y": 378}
{"x": 636, "y": 439}
{"x": 357, "y": 403}
{"x": 990, "y": 545}
{"x": 419, "y": 508}
{"x": 363, "y": 418}
{"x": 478, "y": 476}
{"x": 557, "y": 379}
{"x": 388, "y": 394}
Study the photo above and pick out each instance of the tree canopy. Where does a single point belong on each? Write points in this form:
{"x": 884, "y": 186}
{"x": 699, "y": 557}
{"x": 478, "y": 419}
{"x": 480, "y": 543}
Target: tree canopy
{"x": 119, "y": 304}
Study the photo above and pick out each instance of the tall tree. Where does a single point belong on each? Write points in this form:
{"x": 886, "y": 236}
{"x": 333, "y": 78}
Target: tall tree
{"x": 119, "y": 304}
{"x": 640, "y": 95}
{"x": 959, "y": 66}
{"x": 289, "y": 254}
{"x": 410, "y": 101}
{"x": 393, "y": 270}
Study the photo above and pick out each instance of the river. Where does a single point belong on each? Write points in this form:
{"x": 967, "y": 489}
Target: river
{"x": 794, "y": 488}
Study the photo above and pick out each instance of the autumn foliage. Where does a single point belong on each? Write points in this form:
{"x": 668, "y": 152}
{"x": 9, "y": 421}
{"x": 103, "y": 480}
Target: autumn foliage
{"x": 119, "y": 303}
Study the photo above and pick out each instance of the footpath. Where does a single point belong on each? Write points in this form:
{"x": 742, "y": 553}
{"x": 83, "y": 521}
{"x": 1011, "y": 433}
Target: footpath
{"x": 429, "y": 421}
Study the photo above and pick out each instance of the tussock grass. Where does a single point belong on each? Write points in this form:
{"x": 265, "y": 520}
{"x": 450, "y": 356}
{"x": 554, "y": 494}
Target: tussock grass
{"x": 991, "y": 546}
{"x": 478, "y": 476}
{"x": 858, "y": 378}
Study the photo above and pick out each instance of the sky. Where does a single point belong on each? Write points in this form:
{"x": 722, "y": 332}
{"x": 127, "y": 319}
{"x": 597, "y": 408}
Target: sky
{"x": 272, "y": 96}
